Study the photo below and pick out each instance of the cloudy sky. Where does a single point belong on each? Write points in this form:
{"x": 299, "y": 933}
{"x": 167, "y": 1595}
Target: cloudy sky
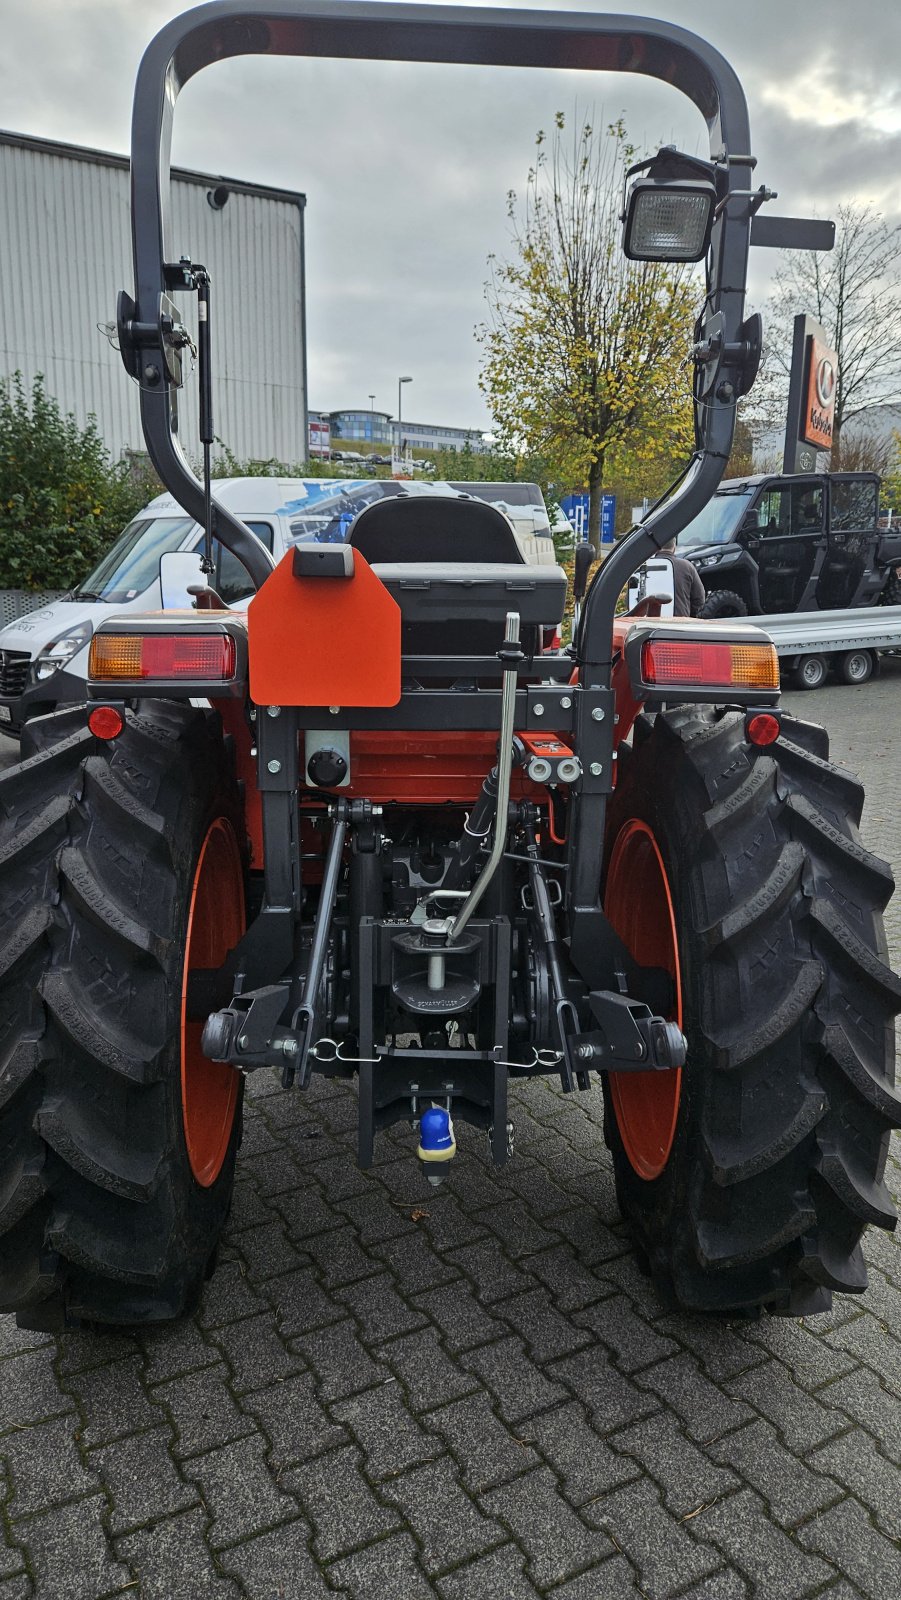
{"x": 406, "y": 168}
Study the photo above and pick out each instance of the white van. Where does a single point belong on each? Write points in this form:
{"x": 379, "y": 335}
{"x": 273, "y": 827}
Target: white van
{"x": 44, "y": 654}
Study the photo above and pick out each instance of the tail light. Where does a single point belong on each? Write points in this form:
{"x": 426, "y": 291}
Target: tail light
{"x": 161, "y": 656}
{"x": 686, "y": 662}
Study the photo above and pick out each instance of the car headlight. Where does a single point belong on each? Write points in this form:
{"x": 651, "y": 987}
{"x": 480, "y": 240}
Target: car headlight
{"x": 60, "y": 650}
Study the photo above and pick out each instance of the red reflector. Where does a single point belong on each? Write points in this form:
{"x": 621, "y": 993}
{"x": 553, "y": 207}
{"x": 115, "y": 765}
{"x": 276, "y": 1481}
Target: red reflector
{"x": 763, "y": 729}
{"x": 105, "y": 722}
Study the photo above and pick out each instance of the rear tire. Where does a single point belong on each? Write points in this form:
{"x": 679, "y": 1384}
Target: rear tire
{"x": 102, "y": 1219}
{"x": 723, "y": 603}
{"x": 786, "y": 1100}
{"x": 856, "y": 666}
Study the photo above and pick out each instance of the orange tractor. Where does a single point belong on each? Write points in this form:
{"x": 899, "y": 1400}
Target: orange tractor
{"x": 369, "y": 828}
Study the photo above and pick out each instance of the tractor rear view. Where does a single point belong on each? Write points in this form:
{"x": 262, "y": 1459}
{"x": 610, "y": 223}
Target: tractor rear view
{"x": 398, "y": 841}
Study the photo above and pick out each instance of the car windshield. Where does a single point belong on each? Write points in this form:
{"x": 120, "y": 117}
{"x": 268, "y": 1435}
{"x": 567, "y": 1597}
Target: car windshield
{"x": 133, "y": 563}
{"x": 719, "y": 521}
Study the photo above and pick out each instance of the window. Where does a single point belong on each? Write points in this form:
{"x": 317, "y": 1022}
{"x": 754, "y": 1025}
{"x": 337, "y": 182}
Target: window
{"x": 796, "y": 509}
{"x": 853, "y": 504}
{"x": 231, "y": 580}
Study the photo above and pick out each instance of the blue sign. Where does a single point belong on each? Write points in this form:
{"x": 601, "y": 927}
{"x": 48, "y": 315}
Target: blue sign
{"x": 575, "y": 507}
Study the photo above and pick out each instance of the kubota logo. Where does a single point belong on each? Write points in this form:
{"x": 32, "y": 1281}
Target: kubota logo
{"x": 825, "y": 382}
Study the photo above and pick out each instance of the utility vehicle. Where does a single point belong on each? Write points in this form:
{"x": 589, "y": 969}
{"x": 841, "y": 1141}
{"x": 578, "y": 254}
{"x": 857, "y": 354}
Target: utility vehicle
{"x": 402, "y": 845}
{"x": 809, "y": 542}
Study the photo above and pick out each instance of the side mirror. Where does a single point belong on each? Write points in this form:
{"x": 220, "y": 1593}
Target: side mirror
{"x": 180, "y": 570}
{"x": 586, "y": 555}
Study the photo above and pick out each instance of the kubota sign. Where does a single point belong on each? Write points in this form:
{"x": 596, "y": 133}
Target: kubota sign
{"x": 819, "y": 406}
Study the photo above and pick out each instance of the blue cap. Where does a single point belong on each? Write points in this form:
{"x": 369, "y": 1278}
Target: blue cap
{"x": 435, "y": 1129}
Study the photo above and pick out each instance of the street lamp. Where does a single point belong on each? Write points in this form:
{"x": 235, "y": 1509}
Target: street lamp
{"x": 372, "y": 402}
{"x": 399, "y": 382}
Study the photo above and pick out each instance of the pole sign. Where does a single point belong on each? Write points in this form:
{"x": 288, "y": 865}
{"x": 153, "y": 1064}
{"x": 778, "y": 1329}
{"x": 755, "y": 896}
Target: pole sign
{"x": 608, "y": 517}
{"x": 575, "y": 507}
{"x": 811, "y": 397}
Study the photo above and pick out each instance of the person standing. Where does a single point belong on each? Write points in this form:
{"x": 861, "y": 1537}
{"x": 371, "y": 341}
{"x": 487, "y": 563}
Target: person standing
{"x": 688, "y": 590}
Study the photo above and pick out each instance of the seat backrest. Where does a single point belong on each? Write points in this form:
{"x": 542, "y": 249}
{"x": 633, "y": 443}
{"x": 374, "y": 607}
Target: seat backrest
{"x": 423, "y": 529}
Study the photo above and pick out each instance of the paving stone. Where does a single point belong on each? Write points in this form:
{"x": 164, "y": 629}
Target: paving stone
{"x": 810, "y": 1359}
{"x": 379, "y": 1308}
{"x": 498, "y": 1576}
{"x": 340, "y": 1362}
{"x": 229, "y": 1295}
{"x": 632, "y": 1343}
{"x": 373, "y": 1217}
{"x": 78, "y": 1351}
{"x": 610, "y": 1398}
{"x": 299, "y": 1303}
{"x": 866, "y": 1473}
{"x": 178, "y": 1348}
{"x": 869, "y": 1341}
{"x": 339, "y": 1259}
{"x": 785, "y": 1481}
{"x": 256, "y": 1353}
{"x": 773, "y": 1561}
{"x": 515, "y": 1382}
{"x": 622, "y": 1273}
{"x": 391, "y": 1439}
{"x": 306, "y": 1213}
{"x": 722, "y": 1585}
{"x": 723, "y": 1348}
{"x": 446, "y": 1523}
{"x": 203, "y": 1411}
{"x": 389, "y": 1570}
{"x": 585, "y": 1465}
{"x": 29, "y": 1391}
{"x": 666, "y": 1555}
{"x": 463, "y": 1322}
{"x": 293, "y": 1420}
{"x": 487, "y": 1452}
{"x": 238, "y": 1487}
{"x": 141, "y": 1479}
{"x": 519, "y": 1232}
{"x": 337, "y": 1173}
{"x": 571, "y": 1284}
{"x": 267, "y": 1251}
{"x": 556, "y": 1541}
{"x": 277, "y": 1564}
{"x": 12, "y": 1561}
{"x": 705, "y": 1411}
{"x": 613, "y": 1579}
{"x": 415, "y": 1262}
{"x": 448, "y": 1225}
{"x": 274, "y": 1173}
{"x": 474, "y": 1184}
{"x": 247, "y": 1209}
{"x": 862, "y": 1398}
{"x": 546, "y": 1333}
{"x": 428, "y": 1376}
{"x": 687, "y": 1477}
{"x": 339, "y": 1503}
{"x": 537, "y": 1189}
{"x": 18, "y": 1587}
{"x": 68, "y": 1554}
{"x": 172, "y": 1561}
{"x": 46, "y": 1467}
{"x": 493, "y": 1274}
{"x": 801, "y": 1420}
{"x": 114, "y": 1401}
{"x": 590, "y": 1238}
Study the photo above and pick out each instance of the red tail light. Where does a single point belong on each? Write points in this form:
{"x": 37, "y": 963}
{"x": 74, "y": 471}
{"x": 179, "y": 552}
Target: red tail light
{"x": 161, "y": 656}
{"x": 693, "y": 661}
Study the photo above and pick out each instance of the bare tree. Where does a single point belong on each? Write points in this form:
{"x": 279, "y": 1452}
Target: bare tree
{"x": 854, "y": 291}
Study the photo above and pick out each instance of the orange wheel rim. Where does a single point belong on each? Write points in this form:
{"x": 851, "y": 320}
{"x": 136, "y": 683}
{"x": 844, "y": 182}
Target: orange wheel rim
{"x": 209, "y": 1089}
{"x": 639, "y": 905}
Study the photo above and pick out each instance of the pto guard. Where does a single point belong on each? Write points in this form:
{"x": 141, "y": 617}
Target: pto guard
{"x": 684, "y": 659}
{"x": 321, "y": 640}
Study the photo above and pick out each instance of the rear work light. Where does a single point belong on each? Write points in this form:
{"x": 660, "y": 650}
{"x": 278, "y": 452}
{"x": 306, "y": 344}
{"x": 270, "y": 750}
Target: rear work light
{"x": 174, "y": 656}
{"x": 691, "y": 661}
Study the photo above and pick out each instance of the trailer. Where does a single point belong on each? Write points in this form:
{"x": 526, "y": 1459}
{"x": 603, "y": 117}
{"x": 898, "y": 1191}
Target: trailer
{"x": 811, "y": 645}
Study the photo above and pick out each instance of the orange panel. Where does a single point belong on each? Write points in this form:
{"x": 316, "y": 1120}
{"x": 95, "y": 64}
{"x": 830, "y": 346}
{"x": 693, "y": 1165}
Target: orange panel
{"x": 324, "y": 641}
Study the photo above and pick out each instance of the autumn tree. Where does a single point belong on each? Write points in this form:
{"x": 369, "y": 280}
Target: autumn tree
{"x": 854, "y": 291}
{"x": 583, "y": 350}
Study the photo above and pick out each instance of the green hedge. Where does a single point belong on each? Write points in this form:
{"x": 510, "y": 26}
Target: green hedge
{"x": 63, "y": 499}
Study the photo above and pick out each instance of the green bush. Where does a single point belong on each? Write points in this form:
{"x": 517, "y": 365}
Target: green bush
{"x": 63, "y": 500}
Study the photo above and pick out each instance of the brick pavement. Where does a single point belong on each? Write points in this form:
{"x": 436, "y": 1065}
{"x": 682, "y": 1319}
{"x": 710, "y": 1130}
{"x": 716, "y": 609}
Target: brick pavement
{"x": 471, "y": 1395}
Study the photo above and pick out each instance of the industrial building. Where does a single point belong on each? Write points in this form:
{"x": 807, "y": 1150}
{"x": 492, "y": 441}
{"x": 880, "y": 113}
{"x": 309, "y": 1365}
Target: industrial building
{"x": 378, "y": 430}
{"x": 65, "y": 251}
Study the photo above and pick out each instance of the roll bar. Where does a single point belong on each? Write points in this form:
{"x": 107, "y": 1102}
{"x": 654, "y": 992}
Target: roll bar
{"x": 149, "y": 326}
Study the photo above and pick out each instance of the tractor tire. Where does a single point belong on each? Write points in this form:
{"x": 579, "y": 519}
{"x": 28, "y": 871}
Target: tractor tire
{"x": 747, "y": 1185}
{"x": 117, "y": 1140}
{"x": 723, "y": 603}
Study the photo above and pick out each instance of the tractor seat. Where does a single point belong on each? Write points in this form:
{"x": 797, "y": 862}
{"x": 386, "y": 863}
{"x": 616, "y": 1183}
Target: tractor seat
{"x": 455, "y": 568}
